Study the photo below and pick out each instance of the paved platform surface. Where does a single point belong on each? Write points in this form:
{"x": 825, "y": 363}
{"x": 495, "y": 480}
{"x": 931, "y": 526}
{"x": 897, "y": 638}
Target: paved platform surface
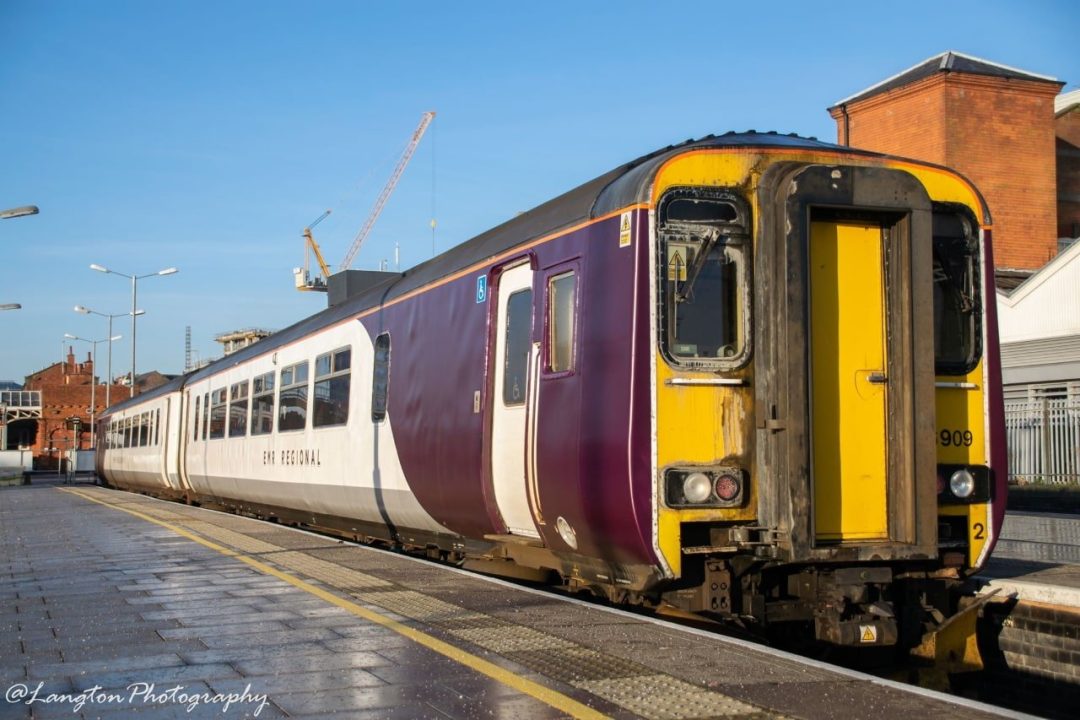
{"x": 1037, "y": 558}
{"x": 115, "y": 605}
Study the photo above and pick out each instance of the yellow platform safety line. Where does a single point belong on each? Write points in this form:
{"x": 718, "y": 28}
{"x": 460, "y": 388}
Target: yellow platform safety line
{"x": 535, "y": 690}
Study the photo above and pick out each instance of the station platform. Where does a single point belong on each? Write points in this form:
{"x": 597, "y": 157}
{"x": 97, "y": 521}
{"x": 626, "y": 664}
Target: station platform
{"x": 1037, "y": 559}
{"x": 113, "y": 603}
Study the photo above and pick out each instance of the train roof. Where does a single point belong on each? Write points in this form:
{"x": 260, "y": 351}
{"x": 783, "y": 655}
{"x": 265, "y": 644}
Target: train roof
{"x": 625, "y": 185}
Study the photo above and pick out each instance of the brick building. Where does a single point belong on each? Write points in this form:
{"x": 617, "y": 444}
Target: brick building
{"x": 993, "y": 123}
{"x": 66, "y": 389}
{"x": 1067, "y": 128}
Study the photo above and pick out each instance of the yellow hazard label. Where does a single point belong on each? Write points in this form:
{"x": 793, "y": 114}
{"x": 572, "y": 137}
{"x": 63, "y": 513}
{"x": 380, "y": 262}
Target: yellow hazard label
{"x": 676, "y": 262}
{"x": 868, "y": 633}
{"x": 625, "y": 228}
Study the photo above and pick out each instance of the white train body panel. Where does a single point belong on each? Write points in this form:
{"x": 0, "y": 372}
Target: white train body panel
{"x": 349, "y": 470}
{"x": 142, "y": 445}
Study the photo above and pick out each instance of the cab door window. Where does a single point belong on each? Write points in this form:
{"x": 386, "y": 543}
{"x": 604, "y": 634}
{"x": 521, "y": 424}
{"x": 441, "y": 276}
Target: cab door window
{"x": 704, "y": 289}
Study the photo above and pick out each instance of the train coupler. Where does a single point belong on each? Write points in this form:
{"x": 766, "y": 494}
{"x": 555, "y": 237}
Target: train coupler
{"x": 857, "y": 632}
{"x": 852, "y": 611}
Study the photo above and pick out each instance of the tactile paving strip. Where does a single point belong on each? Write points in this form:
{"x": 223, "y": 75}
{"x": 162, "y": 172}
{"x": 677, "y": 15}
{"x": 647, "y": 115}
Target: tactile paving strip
{"x": 662, "y": 697}
{"x": 627, "y": 684}
{"x": 336, "y": 576}
{"x": 238, "y": 541}
{"x": 512, "y": 639}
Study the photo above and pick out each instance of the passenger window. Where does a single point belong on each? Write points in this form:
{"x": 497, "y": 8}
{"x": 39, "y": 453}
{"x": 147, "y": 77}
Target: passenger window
{"x": 206, "y": 415}
{"x": 157, "y": 427}
{"x": 195, "y": 421}
{"x": 238, "y": 409}
{"x": 218, "y": 408}
{"x": 562, "y": 290}
{"x": 518, "y": 339}
{"x": 144, "y": 429}
{"x": 380, "y": 384}
{"x": 262, "y": 405}
{"x": 703, "y": 286}
{"x": 292, "y": 402}
{"x": 331, "y": 394}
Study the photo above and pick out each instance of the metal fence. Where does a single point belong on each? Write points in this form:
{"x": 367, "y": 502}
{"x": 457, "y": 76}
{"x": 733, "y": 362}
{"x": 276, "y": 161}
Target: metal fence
{"x": 1044, "y": 441}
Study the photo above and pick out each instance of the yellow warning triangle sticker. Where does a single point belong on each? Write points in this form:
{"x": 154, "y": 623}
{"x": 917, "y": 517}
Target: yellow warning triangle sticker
{"x": 625, "y": 222}
{"x": 868, "y": 635}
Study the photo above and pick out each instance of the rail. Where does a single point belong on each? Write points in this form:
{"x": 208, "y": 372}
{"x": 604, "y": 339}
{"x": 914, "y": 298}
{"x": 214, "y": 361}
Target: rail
{"x": 1043, "y": 438}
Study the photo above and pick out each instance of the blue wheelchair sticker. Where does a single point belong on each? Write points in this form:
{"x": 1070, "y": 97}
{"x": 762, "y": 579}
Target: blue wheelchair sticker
{"x": 481, "y": 289}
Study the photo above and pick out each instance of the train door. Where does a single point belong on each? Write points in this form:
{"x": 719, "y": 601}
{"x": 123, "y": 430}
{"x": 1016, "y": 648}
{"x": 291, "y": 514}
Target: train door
{"x": 512, "y": 360}
{"x": 848, "y": 354}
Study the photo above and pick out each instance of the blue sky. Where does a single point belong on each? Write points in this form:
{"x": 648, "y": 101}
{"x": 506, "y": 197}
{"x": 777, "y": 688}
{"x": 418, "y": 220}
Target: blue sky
{"x": 206, "y": 135}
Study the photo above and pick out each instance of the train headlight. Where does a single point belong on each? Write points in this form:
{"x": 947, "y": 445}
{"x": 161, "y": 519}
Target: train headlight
{"x": 704, "y": 487}
{"x": 962, "y": 484}
{"x": 697, "y": 488}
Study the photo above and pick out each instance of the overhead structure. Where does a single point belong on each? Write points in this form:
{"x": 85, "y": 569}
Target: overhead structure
{"x": 386, "y": 191}
{"x": 304, "y": 281}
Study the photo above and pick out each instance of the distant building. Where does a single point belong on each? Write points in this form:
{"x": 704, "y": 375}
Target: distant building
{"x": 1040, "y": 332}
{"x": 151, "y": 380}
{"x": 1067, "y": 129}
{"x": 993, "y": 123}
{"x": 66, "y": 389}
{"x": 239, "y": 339}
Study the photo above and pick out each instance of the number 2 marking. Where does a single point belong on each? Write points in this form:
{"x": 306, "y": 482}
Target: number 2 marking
{"x": 980, "y": 531}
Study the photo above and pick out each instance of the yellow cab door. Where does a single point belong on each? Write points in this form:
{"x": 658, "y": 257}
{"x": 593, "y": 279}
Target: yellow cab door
{"x": 849, "y": 433}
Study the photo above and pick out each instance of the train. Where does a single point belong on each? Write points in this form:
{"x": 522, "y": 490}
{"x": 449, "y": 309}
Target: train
{"x": 752, "y": 377}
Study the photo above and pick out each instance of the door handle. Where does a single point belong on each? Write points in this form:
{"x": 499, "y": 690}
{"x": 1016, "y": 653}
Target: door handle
{"x": 877, "y": 378}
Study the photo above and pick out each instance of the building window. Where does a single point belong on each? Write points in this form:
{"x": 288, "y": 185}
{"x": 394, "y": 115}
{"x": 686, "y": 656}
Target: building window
{"x": 262, "y": 404}
{"x": 238, "y": 409}
{"x": 330, "y": 396}
{"x": 518, "y": 340}
{"x": 562, "y": 290}
{"x": 292, "y": 402}
{"x": 219, "y": 400}
{"x": 380, "y": 382}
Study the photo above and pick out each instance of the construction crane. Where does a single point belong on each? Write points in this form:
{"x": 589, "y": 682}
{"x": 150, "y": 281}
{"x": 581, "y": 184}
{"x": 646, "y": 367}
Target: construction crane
{"x": 304, "y": 281}
{"x": 386, "y": 191}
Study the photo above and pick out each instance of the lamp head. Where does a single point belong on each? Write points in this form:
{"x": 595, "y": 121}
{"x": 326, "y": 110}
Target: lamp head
{"x": 99, "y": 268}
{"x": 168, "y": 271}
{"x": 81, "y": 309}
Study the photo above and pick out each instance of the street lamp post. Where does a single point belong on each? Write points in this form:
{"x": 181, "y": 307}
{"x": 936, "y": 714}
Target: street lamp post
{"x": 134, "y": 295}
{"x": 14, "y": 213}
{"x": 93, "y": 380}
{"x": 87, "y": 311}
{"x": 18, "y": 212}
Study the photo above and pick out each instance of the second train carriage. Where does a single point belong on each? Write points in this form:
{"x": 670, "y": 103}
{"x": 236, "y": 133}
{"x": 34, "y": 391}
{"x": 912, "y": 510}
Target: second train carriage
{"x": 753, "y": 375}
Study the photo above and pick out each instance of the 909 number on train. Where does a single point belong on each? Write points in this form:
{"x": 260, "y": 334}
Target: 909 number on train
{"x": 955, "y": 438}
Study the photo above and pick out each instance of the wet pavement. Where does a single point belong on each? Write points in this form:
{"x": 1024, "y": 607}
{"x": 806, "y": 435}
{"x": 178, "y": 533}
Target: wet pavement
{"x": 112, "y": 603}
